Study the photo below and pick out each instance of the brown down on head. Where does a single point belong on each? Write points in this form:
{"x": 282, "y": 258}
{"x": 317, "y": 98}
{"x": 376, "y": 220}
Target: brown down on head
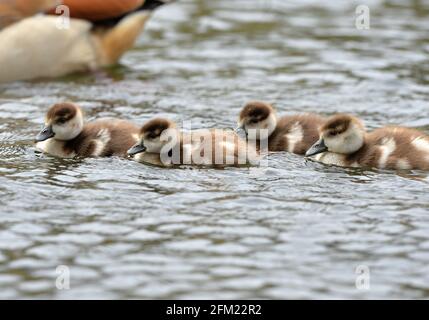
{"x": 155, "y": 127}
{"x": 256, "y": 111}
{"x": 62, "y": 111}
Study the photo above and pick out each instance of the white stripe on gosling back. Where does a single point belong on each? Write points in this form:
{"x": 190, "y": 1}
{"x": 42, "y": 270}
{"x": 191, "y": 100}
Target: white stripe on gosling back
{"x": 387, "y": 147}
{"x": 295, "y": 136}
{"x": 422, "y": 144}
{"x": 101, "y": 141}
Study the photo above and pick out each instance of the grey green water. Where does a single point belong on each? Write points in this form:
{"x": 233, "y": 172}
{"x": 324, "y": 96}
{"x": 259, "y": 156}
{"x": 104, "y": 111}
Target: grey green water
{"x": 298, "y": 230}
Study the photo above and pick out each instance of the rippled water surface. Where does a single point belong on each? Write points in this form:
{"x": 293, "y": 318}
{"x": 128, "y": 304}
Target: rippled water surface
{"x": 297, "y": 229}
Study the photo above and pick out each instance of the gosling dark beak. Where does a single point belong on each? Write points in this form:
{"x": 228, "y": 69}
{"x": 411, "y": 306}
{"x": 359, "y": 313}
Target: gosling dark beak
{"x": 45, "y": 134}
{"x": 316, "y": 148}
{"x": 138, "y": 148}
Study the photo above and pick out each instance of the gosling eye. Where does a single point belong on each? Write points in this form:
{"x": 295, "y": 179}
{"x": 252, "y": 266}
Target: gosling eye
{"x": 253, "y": 121}
{"x": 61, "y": 121}
{"x": 151, "y": 135}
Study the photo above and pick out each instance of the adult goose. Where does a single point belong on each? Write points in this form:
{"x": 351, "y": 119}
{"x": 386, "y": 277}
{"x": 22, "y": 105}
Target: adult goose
{"x": 44, "y": 47}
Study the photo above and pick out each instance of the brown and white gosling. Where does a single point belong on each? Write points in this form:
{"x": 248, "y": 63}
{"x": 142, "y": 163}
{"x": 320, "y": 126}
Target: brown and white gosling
{"x": 344, "y": 142}
{"x": 66, "y": 135}
{"x": 160, "y": 142}
{"x": 294, "y": 133}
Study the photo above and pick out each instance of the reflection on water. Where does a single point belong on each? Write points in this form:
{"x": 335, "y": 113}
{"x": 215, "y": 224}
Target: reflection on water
{"x": 298, "y": 229}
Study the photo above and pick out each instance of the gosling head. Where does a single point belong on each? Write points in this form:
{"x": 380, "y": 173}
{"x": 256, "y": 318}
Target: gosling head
{"x": 64, "y": 121}
{"x": 259, "y": 117}
{"x": 154, "y": 136}
{"x": 342, "y": 133}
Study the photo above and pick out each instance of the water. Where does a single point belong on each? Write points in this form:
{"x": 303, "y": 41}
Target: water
{"x": 299, "y": 229}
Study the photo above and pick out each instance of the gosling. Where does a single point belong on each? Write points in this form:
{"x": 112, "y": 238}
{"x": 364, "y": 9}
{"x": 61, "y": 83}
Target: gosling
{"x": 295, "y": 133}
{"x": 204, "y": 147}
{"x": 345, "y": 142}
{"x": 66, "y": 135}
